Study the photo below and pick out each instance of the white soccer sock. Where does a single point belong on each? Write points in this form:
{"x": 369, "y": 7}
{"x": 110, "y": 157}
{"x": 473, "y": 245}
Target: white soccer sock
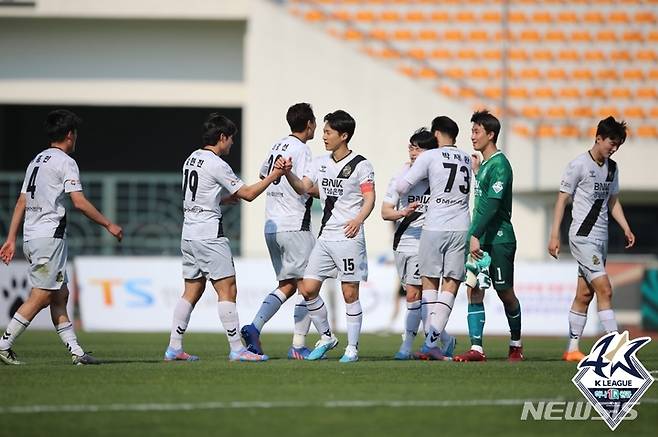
{"x": 228, "y": 314}
{"x": 429, "y": 308}
{"x": 15, "y": 328}
{"x": 446, "y": 301}
{"x": 607, "y": 318}
{"x": 67, "y": 334}
{"x": 268, "y": 308}
{"x": 354, "y": 320}
{"x": 182, "y": 313}
{"x": 318, "y": 312}
{"x": 577, "y": 323}
{"x": 302, "y": 324}
{"x": 412, "y": 320}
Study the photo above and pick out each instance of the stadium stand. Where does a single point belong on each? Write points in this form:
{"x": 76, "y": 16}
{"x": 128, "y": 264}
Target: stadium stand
{"x": 570, "y": 62}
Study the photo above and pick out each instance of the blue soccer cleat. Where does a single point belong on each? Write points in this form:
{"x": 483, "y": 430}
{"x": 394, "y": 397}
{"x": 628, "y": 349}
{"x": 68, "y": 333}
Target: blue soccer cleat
{"x": 172, "y": 354}
{"x": 298, "y": 353}
{"x": 448, "y": 348}
{"x": 251, "y": 337}
{"x": 321, "y": 348}
{"x": 402, "y": 356}
{"x": 351, "y": 355}
{"x": 246, "y": 355}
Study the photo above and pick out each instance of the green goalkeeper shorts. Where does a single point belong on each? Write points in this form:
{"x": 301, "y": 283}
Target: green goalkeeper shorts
{"x": 502, "y": 264}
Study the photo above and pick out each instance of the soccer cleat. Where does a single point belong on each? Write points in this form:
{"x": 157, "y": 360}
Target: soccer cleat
{"x": 515, "y": 353}
{"x": 8, "y": 356}
{"x": 321, "y": 348}
{"x": 172, "y": 354}
{"x": 351, "y": 355}
{"x": 84, "y": 360}
{"x": 246, "y": 355}
{"x": 573, "y": 356}
{"x": 402, "y": 356}
{"x": 470, "y": 355}
{"x": 251, "y": 337}
{"x": 298, "y": 353}
{"x": 431, "y": 354}
{"x": 448, "y": 348}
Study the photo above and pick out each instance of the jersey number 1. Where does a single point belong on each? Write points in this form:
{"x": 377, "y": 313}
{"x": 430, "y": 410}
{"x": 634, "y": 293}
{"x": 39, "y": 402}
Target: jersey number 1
{"x": 193, "y": 178}
{"x": 270, "y": 163}
{"x": 32, "y": 183}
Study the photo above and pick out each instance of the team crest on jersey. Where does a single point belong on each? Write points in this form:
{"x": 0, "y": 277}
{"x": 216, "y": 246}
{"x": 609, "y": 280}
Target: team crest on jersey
{"x": 592, "y": 174}
{"x": 347, "y": 171}
{"x": 497, "y": 187}
{"x": 323, "y": 168}
{"x": 611, "y": 377}
{"x": 60, "y": 277}
{"x": 595, "y": 260}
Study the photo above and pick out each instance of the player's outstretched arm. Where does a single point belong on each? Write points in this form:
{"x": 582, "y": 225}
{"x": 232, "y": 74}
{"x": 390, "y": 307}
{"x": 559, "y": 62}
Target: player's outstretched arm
{"x": 390, "y": 213}
{"x": 301, "y": 186}
{"x": 250, "y": 192}
{"x": 558, "y": 214}
{"x": 8, "y": 249}
{"x": 83, "y": 205}
{"x": 617, "y": 213}
{"x": 352, "y": 227}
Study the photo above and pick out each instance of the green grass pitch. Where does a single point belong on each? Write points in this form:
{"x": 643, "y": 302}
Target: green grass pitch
{"x": 135, "y": 393}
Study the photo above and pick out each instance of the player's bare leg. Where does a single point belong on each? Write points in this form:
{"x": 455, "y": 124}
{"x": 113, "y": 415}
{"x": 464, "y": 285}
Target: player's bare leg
{"x": 193, "y": 291}
{"x": 354, "y": 316}
{"x": 578, "y": 319}
{"x": 513, "y": 314}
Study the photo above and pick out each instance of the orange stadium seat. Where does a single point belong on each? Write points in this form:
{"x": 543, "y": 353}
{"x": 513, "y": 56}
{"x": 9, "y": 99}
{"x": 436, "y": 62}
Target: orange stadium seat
{"x": 633, "y": 74}
{"x": 653, "y": 113}
{"x": 518, "y": 92}
{"x": 569, "y": 55}
{"x": 606, "y": 36}
{"x": 379, "y": 34}
{"x": 530, "y": 74}
{"x": 582, "y": 112}
{"x": 454, "y": 73}
{"x": 531, "y": 111}
{"x": 492, "y": 54}
{"x": 389, "y": 53}
{"x": 465, "y": 17}
{"x": 633, "y": 36}
{"x": 653, "y": 36}
{"x": 480, "y": 73}
{"x": 545, "y": 131}
{"x": 521, "y": 129}
{"x": 440, "y": 16}
{"x": 529, "y": 36}
{"x": 648, "y": 93}
{"x": 542, "y": 55}
{"x": 416, "y": 16}
{"x": 390, "y": 16}
{"x": 593, "y": 17}
{"x": 542, "y": 17}
{"x": 645, "y": 17}
{"x": 646, "y": 55}
{"x": 581, "y": 36}
{"x": 647, "y": 131}
{"x": 417, "y": 53}
{"x": 478, "y": 35}
{"x": 555, "y": 35}
{"x": 491, "y": 16}
{"x": 366, "y": 16}
{"x": 441, "y": 53}
{"x": 403, "y": 35}
{"x": 607, "y": 74}
{"x": 517, "y": 17}
{"x": 352, "y": 35}
{"x": 557, "y": 112}
{"x": 569, "y": 131}
{"x": 428, "y": 35}
{"x": 467, "y": 92}
{"x": 517, "y": 54}
{"x": 341, "y": 15}
{"x": 453, "y": 35}
{"x": 313, "y": 15}
{"x": 407, "y": 70}
{"x": 620, "y": 55}
{"x": 567, "y": 17}
{"x": 447, "y": 90}
{"x": 466, "y": 54}
{"x": 582, "y": 74}
{"x": 653, "y": 74}
{"x": 618, "y": 17}
{"x": 607, "y": 111}
{"x": 621, "y": 93}
{"x": 634, "y": 112}
{"x": 544, "y": 92}
{"x": 595, "y": 93}
{"x": 556, "y": 74}
{"x": 493, "y": 92}
{"x": 570, "y": 93}
{"x": 594, "y": 55}
{"x": 428, "y": 73}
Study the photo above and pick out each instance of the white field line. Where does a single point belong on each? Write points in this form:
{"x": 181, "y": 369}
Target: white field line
{"x": 236, "y": 405}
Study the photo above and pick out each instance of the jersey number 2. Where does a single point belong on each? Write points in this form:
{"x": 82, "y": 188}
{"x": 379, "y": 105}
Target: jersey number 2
{"x": 32, "y": 183}
{"x": 193, "y": 178}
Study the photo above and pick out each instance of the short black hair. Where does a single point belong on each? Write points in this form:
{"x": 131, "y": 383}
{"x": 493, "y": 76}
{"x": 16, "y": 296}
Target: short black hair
{"x": 59, "y": 123}
{"x": 445, "y": 125}
{"x": 342, "y": 122}
{"x": 215, "y": 125}
{"x": 424, "y": 139}
{"x": 299, "y": 115}
{"x": 488, "y": 121}
{"x": 613, "y": 129}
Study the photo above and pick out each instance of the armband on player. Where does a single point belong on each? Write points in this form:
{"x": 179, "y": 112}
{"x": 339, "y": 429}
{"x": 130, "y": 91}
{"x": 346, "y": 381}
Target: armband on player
{"x": 367, "y": 187}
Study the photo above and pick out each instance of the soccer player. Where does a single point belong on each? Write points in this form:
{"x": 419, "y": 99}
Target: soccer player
{"x": 408, "y": 213}
{"x": 287, "y": 232}
{"x": 347, "y": 192}
{"x": 491, "y": 231}
{"x": 206, "y": 251}
{"x": 49, "y": 175}
{"x": 443, "y": 241}
{"x": 592, "y": 180}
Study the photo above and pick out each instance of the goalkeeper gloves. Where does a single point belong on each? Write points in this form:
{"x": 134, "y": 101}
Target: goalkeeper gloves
{"x": 477, "y": 271}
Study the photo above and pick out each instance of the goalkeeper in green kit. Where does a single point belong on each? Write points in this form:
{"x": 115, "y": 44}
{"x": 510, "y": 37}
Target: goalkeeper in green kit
{"x": 491, "y": 239}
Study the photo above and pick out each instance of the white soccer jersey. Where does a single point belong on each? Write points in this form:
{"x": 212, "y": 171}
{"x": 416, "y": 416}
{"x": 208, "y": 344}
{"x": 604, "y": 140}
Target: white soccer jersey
{"x": 448, "y": 170}
{"x": 49, "y": 175}
{"x": 591, "y": 186}
{"x": 340, "y": 191}
{"x": 285, "y": 210}
{"x": 204, "y": 175}
{"x": 408, "y": 229}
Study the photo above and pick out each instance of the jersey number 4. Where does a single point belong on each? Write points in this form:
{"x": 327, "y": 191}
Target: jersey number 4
{"x": 465, "y": 189}
{"x": 32, "y": 183}
{"x": 191, "y": 179}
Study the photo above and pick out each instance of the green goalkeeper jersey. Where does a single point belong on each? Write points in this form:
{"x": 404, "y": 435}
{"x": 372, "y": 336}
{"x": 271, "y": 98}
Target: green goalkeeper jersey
{"x": 494, "y": 181}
